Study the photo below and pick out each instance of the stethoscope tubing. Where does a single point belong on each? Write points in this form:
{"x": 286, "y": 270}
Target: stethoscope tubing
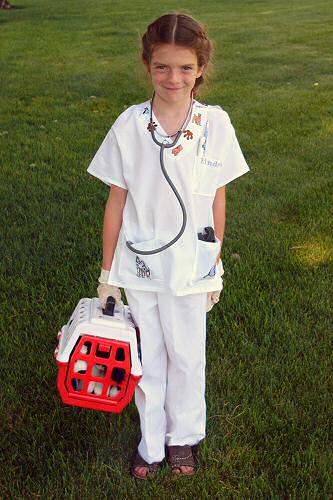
{"x": 163, "y": 146}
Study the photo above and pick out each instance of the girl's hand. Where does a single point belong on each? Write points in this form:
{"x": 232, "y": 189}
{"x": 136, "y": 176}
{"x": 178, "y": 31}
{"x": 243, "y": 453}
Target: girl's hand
{"x": 106, "y": 290}
{"x": 212, "y": 299}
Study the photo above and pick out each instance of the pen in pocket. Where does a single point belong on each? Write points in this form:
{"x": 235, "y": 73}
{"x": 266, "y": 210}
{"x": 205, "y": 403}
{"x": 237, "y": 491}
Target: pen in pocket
{"x": 202, "y": 147}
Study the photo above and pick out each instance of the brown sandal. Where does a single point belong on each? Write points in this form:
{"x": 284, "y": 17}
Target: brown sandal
{"x": 140, "y": 462}
{"x": 181, "y": 456}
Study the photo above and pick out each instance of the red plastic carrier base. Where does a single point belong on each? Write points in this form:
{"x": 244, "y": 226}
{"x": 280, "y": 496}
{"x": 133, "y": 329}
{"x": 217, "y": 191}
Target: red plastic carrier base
{"x": 107, "y": 365}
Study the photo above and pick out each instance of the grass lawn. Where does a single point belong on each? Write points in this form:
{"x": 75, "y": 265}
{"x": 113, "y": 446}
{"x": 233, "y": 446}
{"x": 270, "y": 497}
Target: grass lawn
{"x": 67, "y": 69}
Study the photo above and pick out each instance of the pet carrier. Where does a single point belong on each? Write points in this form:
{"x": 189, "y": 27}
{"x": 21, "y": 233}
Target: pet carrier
{"x": 98, "y": 355}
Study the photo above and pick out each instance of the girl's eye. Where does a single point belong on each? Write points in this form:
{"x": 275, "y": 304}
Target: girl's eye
{"x": 187, "y": 68}
{"x": 161, "y": 67}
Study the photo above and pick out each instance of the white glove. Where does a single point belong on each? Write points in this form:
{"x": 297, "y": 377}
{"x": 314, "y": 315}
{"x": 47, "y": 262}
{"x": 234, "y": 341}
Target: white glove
{"x": 105, "y": 290}
{"x": 214, "y": 297}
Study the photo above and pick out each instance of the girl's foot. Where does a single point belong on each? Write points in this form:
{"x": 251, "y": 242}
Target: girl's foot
{"x": 142, "y": 470}
{"x": 181, "y": 460}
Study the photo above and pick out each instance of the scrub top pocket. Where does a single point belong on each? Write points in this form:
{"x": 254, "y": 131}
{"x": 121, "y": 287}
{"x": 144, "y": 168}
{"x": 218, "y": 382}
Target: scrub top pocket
{"x": 143, "y": 267}
{"x": 206, "y": 175}
{"x": 205, "y": 263}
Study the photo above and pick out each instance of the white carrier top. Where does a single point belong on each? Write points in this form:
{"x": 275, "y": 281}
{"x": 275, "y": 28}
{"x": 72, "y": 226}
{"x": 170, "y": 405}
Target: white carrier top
{"x": 206, "y": 157}
{"x": 88, "y": 319}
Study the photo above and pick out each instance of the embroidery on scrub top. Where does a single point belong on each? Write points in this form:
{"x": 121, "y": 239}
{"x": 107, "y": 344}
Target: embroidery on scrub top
{"x": 188, "y": 134}
{"x": 211, "y": 163}
{"x": 197, "y": 119}
{"x": 211, "y": 273}
{"x": 142, "y": 270}
{"x": 177, "y": 150}
{"x": 152, "y": 126}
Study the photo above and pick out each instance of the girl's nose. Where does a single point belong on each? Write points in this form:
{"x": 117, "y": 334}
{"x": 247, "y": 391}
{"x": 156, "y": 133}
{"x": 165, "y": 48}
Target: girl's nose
{"x": 174, "y": 76}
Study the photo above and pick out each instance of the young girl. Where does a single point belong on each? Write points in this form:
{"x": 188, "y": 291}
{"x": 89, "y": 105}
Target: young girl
{"x": 168, "y": 161}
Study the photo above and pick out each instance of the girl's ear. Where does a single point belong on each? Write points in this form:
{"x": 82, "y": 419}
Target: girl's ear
{"x": 200, "y": 71}
{"x": 147, "y": 66}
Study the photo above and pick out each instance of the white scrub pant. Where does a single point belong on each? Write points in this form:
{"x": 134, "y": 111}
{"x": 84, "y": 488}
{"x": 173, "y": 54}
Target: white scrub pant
{"x": 170, "y": 397}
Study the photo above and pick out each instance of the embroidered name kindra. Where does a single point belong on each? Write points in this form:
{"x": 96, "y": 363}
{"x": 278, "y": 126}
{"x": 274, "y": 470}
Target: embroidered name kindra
{"x": 210, "y": 163}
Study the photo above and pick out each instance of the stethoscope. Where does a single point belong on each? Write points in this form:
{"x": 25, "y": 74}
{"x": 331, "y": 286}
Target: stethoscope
{"x": 166, "y": 145}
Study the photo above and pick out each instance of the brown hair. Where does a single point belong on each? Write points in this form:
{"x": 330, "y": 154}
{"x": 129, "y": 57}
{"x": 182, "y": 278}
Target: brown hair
{"x": 179, "y": 29}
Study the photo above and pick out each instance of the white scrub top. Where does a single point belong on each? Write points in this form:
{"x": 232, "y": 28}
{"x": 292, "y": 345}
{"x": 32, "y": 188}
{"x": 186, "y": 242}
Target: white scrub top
{"x": 152, "y": 216}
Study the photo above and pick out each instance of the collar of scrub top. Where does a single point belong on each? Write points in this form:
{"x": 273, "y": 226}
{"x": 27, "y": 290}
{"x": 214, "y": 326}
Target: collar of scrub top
{"x": 192, "y": 129}
{"x": 152, "y": 127}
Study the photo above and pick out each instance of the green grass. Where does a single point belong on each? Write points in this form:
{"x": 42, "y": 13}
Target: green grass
{"x": 269, "y": 348}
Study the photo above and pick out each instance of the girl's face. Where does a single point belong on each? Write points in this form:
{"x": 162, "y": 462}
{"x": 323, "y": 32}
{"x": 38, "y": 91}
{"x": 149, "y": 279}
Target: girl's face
{"x": 173, "y": 70}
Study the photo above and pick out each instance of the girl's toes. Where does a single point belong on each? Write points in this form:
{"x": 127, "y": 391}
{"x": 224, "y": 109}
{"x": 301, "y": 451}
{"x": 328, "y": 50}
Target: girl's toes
{"x": 141, "y": 471}
{"x": 186, "y": 470}
{"x": 183, "y": 469}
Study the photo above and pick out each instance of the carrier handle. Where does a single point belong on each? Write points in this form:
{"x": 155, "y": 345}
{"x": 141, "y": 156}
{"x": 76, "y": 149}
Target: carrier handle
{"x": 109, "y": 306}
